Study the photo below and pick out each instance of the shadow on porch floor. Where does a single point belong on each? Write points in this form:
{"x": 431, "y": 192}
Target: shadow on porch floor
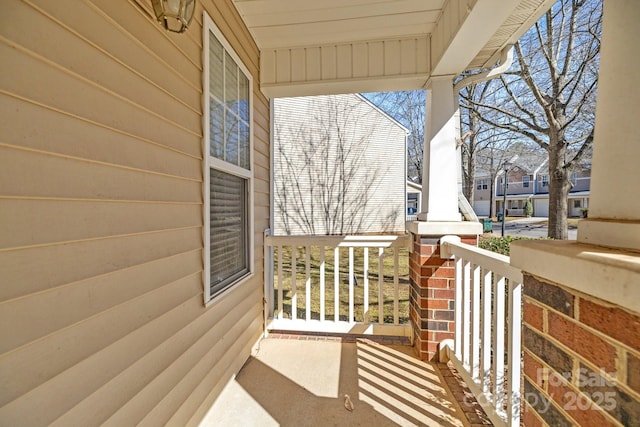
{"x": 303, "y": 382}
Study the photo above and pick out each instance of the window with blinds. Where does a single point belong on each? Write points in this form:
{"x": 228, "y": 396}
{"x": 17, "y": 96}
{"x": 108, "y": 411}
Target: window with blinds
{"x": 227, "y": 164}
{"x": 228, "y": 229}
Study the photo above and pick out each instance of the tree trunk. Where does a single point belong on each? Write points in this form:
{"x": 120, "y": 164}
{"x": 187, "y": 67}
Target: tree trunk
{"x": 469, "y": 177}
{"x": 559, "y": 186}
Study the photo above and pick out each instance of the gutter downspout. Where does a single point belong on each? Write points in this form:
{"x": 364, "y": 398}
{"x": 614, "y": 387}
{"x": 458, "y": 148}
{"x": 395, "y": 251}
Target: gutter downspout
{"x": 506, "y": 59}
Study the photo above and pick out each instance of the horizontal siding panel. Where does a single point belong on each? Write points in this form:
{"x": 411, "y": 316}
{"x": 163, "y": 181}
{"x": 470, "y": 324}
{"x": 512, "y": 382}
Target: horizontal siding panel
{"x": 142, "y": 386}
{"x": 261, "y": 113}
{"x": 32, "y": 222}
{"x": 261, "y": 186}
{"x": 41, "y": 268}
{"x": 26, "y": 173}
{"x": 33, "y": 126}
{"x": 233, "y": 361}
{"x": 260, "y": 135}
{"x": 101, "y": 200}
{"x": 260, "y": 159}
{"x": 144, "y": 27}
{"x": 65, "y": 48}
{"x": 89, "y": 359}
{"x": 124, "y": 43}
{"x": 50, "y": 85}
{"x": 45, "y": 312}
{"x": 261, "y": 199}
{"x": 226, "y": 363}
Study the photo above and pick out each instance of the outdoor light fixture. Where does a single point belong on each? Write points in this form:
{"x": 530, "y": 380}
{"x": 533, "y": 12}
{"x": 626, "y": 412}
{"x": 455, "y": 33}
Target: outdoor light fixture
{"x": 174, "y": 15}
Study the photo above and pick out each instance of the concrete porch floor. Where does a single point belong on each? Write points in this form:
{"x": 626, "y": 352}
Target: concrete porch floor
{"x": 302, "y": 381}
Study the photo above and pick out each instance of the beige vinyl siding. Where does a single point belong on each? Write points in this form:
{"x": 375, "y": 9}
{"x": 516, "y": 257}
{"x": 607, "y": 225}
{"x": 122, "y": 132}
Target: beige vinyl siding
{"x": 308, "y": 134}
{"x": 102, "y": 317}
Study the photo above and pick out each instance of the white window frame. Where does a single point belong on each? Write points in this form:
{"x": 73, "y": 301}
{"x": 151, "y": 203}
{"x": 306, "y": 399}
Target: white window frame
{"x": 223, "y": 166}
{"x": 525, "y": 181}
{"x": 544, "y": 180}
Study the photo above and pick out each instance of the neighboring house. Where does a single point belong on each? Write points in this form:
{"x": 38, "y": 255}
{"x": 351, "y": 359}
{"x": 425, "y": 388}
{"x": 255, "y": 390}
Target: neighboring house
{"x": 414, "y": 200}
{"x": 339, "y": 167}
{"x": 578, "y": 195}
{"x": 530, "y": 182}
{"x": 482, "y": 195}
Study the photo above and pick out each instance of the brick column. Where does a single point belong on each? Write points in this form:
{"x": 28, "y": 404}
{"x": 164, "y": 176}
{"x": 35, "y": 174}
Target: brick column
{"x": 431, "y": 304}
{"x": 581, "y": 358}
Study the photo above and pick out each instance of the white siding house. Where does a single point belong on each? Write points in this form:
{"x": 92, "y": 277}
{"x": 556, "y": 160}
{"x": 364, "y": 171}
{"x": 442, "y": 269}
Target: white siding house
{"x": 339, "y": 167}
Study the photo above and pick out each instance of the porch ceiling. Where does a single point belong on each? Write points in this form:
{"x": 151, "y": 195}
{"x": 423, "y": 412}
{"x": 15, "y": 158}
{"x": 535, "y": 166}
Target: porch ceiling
{"x": 312, "y": 48}
{"x": 286, "y": 24}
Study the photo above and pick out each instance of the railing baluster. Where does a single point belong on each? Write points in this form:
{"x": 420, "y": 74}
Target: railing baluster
{"x": 515, "y": 352}
{"x": 322, "y": 296}
{"x": 480, "y": 313}
{"x": 381, "y": 285}
{"x": 458, "y": 309}
{"x": 475, "y": 322}
{"x": 351, "y": 285}
{"x": 486, "y": 330}
{"x": 498, "y": 343}
{"x": 396, "y": 287}
{"x": 307, "y": 282}
{"x": 466, "y": 308}
{"x": 280, "y": 282}
{"x": 294, "y": 293}
{"x": 365, "y": 286}
{"x": 336, "y": 284}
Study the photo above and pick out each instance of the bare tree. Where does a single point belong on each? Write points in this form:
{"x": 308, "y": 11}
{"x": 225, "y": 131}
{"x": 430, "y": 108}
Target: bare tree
{"x": 325, "y": 179}
{"x": 484, "y": 148}
{"x": 550, "y": 98}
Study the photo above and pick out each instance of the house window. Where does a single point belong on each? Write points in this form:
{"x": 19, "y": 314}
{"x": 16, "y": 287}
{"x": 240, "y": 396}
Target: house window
{"x": 525, "y": 181}
{"x": 545, "y": 180}
{"x": 482, "y": 184}
{"x": 577, "y": 203}
{"x": 227, "y": 165}
{"x": 573, "y": 178}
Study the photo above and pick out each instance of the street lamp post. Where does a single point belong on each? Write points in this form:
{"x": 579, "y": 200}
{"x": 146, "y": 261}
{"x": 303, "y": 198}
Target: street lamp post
{"x": 507, "y": 166}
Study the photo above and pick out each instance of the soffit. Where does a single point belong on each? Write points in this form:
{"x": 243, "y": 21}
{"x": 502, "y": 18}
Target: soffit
{"x": 520, "y": 20}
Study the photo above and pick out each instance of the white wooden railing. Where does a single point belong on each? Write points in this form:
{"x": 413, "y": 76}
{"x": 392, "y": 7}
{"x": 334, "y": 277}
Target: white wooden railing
{"x": 324, "y": 253}
{"x": 484, "y": 324}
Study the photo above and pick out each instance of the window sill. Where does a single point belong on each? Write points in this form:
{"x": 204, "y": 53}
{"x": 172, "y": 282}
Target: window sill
{"x": 222, "y": 295}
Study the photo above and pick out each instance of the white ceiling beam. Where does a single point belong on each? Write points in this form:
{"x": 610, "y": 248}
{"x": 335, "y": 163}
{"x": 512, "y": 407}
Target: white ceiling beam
{"x": 463, "y": 29}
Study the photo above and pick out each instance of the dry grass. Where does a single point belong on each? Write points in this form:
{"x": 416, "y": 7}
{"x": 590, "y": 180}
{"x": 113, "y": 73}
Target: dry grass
{"x": 388, "y": 287}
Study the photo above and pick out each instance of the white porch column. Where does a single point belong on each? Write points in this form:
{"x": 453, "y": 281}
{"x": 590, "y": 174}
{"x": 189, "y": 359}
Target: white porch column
{"x": 614, "y": 205}
{"x": 439, "y": 175}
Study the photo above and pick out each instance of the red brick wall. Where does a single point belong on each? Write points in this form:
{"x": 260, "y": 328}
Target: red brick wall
{"x": 581, "y": 359}
{"x": 431, "y": 307}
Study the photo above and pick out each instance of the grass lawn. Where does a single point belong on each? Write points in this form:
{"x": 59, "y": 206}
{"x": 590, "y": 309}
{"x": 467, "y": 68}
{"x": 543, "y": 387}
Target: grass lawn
{"x": 388, "y": 287}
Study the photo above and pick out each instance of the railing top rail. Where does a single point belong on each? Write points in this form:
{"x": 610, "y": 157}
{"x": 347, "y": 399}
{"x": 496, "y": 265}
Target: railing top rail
{"x": 497, "y": 263}
{"x": 369, "y": 241}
